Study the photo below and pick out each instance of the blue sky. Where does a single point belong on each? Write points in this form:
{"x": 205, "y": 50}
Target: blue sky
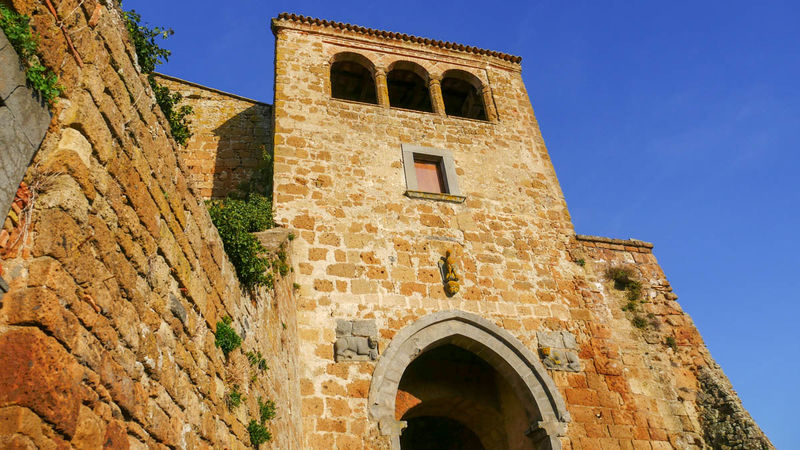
{"x": 671, "y": 122}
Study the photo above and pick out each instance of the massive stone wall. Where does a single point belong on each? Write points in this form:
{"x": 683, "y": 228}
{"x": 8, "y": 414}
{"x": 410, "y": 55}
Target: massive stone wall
{"x": 106, "y": 333}
{"x": 367, "y": 252}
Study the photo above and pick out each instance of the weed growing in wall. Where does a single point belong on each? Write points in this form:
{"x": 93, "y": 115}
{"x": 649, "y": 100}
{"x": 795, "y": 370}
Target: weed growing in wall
{"x": 639, "y": 322}
{"x": 235, "y": 220}
{"x": 226, "y": 338}
{"x": 258, "y": 433}
{"x": 671, "y": 343}
{"x": 624, "y": 279}
{"x": 266, "y": 410}
{"x": 150, "y": 54}
{"x": 258, "y": 429}
{"x": 280, "y": 263}
{"x": 17, "y": 29}
{"x": 235, "y": 397}
{"x": 256, "y": 360}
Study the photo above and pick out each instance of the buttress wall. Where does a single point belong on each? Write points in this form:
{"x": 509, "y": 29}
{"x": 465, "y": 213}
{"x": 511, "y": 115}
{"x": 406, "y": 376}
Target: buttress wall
{"x": 118, "y": 278}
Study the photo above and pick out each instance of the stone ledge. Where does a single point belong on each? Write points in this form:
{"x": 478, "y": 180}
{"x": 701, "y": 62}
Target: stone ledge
{"x": 623, "y": 242}
{"x": 436, "y": 196}
{"x": 206, "y": 88}
{"x": 273, "y": 239}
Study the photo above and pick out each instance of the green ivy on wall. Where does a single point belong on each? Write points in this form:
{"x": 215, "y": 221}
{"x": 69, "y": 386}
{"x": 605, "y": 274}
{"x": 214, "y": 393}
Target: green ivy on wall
{"x": 149, "y": 55}
{"x": 17, "y": 29}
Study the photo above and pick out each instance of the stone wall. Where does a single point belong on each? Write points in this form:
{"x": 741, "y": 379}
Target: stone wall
{"x": 670, "y": 366}
{"x": 107, "y": 331}
{"x": 231, "y": 136}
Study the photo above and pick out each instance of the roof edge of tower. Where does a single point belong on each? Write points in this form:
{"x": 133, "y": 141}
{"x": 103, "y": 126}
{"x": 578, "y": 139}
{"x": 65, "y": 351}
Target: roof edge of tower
{"x": 298, "y": 18}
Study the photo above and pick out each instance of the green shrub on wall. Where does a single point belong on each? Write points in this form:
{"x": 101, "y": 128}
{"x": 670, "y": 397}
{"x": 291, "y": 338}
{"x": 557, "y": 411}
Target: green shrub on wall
{"x": 235, "y": 220}
{"x": 17, "y": 29}
{"x": 258, "y": 433}
{"x": 226, "y": 338}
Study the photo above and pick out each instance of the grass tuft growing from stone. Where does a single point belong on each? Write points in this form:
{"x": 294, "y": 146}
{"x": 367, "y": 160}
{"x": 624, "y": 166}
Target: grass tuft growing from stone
{"x": 258, "y": 433}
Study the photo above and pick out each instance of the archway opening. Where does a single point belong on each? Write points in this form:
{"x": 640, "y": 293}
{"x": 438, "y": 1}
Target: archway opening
{"x": 462, "y": 96}
{"x": 503, "y": 393}
{"x": 471, "y": 401}
{"x": 408, "y": 88}
{"x": 352, "y": 80}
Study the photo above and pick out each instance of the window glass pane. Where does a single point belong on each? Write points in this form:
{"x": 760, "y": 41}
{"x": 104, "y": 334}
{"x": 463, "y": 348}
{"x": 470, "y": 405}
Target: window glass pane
{"x": 429, "y": 176}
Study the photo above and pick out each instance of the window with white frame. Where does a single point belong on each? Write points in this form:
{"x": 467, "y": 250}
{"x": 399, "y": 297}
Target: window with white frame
{"x": 430, "y": 174}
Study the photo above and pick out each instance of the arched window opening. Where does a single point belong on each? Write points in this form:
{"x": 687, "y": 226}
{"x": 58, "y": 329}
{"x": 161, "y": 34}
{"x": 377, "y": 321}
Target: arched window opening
{"x": 408, "y": 88}
{"x": 462, "y": 95}
{"x": 351, "y": 79}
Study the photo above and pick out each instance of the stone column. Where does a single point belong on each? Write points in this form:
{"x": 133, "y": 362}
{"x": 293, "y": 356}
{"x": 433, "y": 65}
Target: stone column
{"x": 381, "y": 87}
{"x": 488, "y": 104}
{"x": 435, "y": 85}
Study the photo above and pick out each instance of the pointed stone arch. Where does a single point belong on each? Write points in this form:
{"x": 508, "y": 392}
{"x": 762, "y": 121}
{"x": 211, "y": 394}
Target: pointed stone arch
{"x": 518, "y": 365}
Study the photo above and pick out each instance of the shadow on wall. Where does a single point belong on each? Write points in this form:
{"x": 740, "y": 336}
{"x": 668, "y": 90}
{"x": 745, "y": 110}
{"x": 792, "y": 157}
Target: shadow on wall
{"x": 243, "y": 153}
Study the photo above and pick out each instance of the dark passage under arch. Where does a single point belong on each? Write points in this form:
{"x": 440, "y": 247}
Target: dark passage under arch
{"x": 460, "y": 367}
{"x": 438, "y": 433}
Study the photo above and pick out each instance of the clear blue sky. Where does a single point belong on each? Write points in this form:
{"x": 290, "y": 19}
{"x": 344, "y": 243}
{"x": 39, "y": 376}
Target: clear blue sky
{"x": 672, "y": 122}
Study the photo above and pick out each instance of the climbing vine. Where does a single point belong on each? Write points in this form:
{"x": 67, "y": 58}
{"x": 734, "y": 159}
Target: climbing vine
{"x": 17, "y": 29}
{"x": 150, "y": 54}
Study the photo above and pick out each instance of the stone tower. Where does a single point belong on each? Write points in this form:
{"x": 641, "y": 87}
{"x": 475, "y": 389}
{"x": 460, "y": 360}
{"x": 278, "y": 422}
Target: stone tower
{"x": 444, "y": 295}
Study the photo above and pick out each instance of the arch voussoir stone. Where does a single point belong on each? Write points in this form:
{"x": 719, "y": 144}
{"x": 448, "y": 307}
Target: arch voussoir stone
{"x": 512, "y": 360}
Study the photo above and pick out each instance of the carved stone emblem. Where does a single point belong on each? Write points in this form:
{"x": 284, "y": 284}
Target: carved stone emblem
{"x": 447, "y": 267}
{"x": 558, "y": 350}
{"x": 356, "y": 340}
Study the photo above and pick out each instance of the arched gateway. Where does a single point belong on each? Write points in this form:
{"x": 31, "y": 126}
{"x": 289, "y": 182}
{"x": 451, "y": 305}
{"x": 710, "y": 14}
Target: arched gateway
{"x": 460, "y": 375}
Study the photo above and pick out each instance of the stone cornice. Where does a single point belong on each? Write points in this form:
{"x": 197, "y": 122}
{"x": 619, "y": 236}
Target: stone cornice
{"x": 296, "y": 18}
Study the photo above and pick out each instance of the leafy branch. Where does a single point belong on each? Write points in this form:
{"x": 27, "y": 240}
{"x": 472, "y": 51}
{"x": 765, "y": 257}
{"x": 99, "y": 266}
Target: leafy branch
{"x": 150, "y": 54}
{"x": 17, "y": 29}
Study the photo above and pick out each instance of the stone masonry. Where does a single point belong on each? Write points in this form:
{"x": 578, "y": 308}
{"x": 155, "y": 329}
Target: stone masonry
{"x": 106, "y": 334}
{"x": 230, "y": 136}
{"x": 107, "y": 331}
{"x": 367, "y": 251}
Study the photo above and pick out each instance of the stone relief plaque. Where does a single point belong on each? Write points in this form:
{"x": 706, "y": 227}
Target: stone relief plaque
{"x": 356, "y": 340}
